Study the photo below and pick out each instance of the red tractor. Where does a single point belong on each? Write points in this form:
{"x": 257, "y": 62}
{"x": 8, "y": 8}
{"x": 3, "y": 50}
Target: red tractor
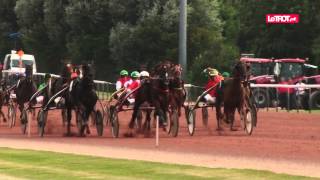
{"x": 282, "y": 71}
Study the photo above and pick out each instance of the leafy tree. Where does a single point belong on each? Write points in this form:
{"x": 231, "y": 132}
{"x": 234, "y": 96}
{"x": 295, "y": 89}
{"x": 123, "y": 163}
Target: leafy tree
{"x": 8, "y": 25}
{"x": 87, "y": 40}
{"x": 151, "y": 38}
{"x": 207, "y": 45}
{"x": 35, "y": 39}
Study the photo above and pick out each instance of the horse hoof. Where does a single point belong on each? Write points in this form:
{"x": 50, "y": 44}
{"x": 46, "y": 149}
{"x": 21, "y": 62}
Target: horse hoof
{"x": 129, "y": 134}
{"x": 82, "y": 135}
{"x": 4, "y": 120}
{"x": 147, "y": 135}
{"x": 69, "y": 134}
{"x": 233, "y": 129}
{"x": 219, "y": 129}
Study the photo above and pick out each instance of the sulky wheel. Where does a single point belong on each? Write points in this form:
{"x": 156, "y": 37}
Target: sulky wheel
{"x": 205, "y": 116}
{"x": 99, "y": 123}
{"x": 248, "y": 121}
{"x": 191, "y": 120}
{"x": 168, "y": 126}
{"x": 24, "y": 121}
{"x": 114, "y": 123}
{"x": 42, "y": 120}
{"x": 174, "y": 121}
{"x": 11, "y": 115}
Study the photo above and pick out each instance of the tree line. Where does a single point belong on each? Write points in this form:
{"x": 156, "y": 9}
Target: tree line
{"x": 134, "y": 34}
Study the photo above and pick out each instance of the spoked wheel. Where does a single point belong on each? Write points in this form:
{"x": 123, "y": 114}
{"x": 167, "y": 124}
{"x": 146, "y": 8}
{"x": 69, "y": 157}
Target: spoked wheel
{"x": 168, "y": 127}
{"x": 11, "y": 116}
{"x": 254, "y": 115}
{"x": 42, "y": 120}
{"x": 114, "y": 123}
{"x": 24, "y": 121}
{"x": 99, "y": 123}
{"x": 174, "y": 121}
{"x": 191, "y": 120}
{"x": 248, "y": 121}
{"x": 205, "y": 117}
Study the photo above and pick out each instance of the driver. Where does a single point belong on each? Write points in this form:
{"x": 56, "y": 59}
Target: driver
{"x": 214, "y": 79}
{"x": 122, "y": 80}
{"x": 135, "y": 75}
{"x": 47, "y": 79}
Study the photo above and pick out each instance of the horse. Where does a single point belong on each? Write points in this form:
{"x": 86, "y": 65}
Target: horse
{"x": 82, "y": 97}
{"x": 3, "y": 99}
{"x": 233, "y": 94}
{"x": 176, "y": 86}
{"x": 155, "y": 91}
{"x": 25, "y": 88}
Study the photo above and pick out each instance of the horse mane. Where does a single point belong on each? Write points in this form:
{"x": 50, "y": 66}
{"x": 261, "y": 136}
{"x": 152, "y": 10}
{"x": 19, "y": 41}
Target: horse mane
{"x": 29, "y": 71}
{"x": 241, "y": 71}
{"x": 65, "y": 72}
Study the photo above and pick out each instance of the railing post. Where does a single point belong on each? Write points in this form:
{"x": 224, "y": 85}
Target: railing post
{"x": 288, "y": 100}
{"x": 268, "y": 97}
{"x": 309, "y": 102}
{"x": 157, "y": 131}
{"x": 277, "y": 99}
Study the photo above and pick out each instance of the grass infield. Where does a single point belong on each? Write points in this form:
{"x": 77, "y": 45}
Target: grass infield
{"x": 27, "y": 164}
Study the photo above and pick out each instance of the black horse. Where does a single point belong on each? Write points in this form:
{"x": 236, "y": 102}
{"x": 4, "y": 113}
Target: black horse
{"x": 82, "y": 97}
{"x": 25, "y": 88}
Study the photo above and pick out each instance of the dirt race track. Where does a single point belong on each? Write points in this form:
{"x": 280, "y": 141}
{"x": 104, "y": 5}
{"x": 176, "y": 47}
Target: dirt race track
{"x": 282, "y": 142}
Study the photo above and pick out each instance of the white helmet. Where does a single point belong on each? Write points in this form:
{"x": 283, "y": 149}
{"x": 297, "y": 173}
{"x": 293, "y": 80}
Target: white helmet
{"x": 144, "y": 74}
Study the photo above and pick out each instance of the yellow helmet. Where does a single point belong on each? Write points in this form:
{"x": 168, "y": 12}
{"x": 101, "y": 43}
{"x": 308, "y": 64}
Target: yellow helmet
{"x": 213, "y": 72}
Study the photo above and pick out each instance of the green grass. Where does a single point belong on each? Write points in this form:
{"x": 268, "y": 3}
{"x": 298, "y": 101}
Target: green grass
{"x": 48, "y": 165}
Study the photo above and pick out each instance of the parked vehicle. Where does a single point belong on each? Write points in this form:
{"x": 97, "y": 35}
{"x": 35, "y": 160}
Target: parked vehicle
{"x": 284, "y": 71}
{"x": 14, "y": 65}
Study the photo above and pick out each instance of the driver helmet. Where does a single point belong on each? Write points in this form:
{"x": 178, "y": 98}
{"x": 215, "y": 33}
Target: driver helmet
{"x": 213, "y": 72}
{"x": 124, "y": 73}
{"x": 144, "y": 74}
{"x": 135, "y": 74}
{"x": 226, "y": 74}
{"x": 47, "y": 76}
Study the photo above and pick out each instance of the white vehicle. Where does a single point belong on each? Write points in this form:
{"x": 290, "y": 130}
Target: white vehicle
{"x": 14, "y": 64}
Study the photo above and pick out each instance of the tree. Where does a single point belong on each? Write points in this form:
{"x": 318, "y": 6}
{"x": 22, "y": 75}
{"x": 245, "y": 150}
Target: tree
{"x": 151, "y": 38}
{"x": 87, "y": 40}
{"x": 209, "y": 43}
{"x": 8, "y": 25}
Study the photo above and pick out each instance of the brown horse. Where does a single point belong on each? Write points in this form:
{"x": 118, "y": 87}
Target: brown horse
{"x": 155, "y": 91}
{"x": 177, "y": 91}
{"x": 233, "y": 94}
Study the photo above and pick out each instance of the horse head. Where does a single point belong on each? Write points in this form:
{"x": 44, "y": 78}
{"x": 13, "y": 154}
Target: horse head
{"x": 162, "y": 71}
{"x": 176, "y": 71}
{"x": 241, "y": 71}
{"x": 29, "y": 71}
{"x": 66, "y": 72}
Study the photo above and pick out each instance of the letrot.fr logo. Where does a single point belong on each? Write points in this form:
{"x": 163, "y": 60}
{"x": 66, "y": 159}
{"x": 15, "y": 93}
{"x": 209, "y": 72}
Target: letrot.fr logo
{"x": 282, "y": 18}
